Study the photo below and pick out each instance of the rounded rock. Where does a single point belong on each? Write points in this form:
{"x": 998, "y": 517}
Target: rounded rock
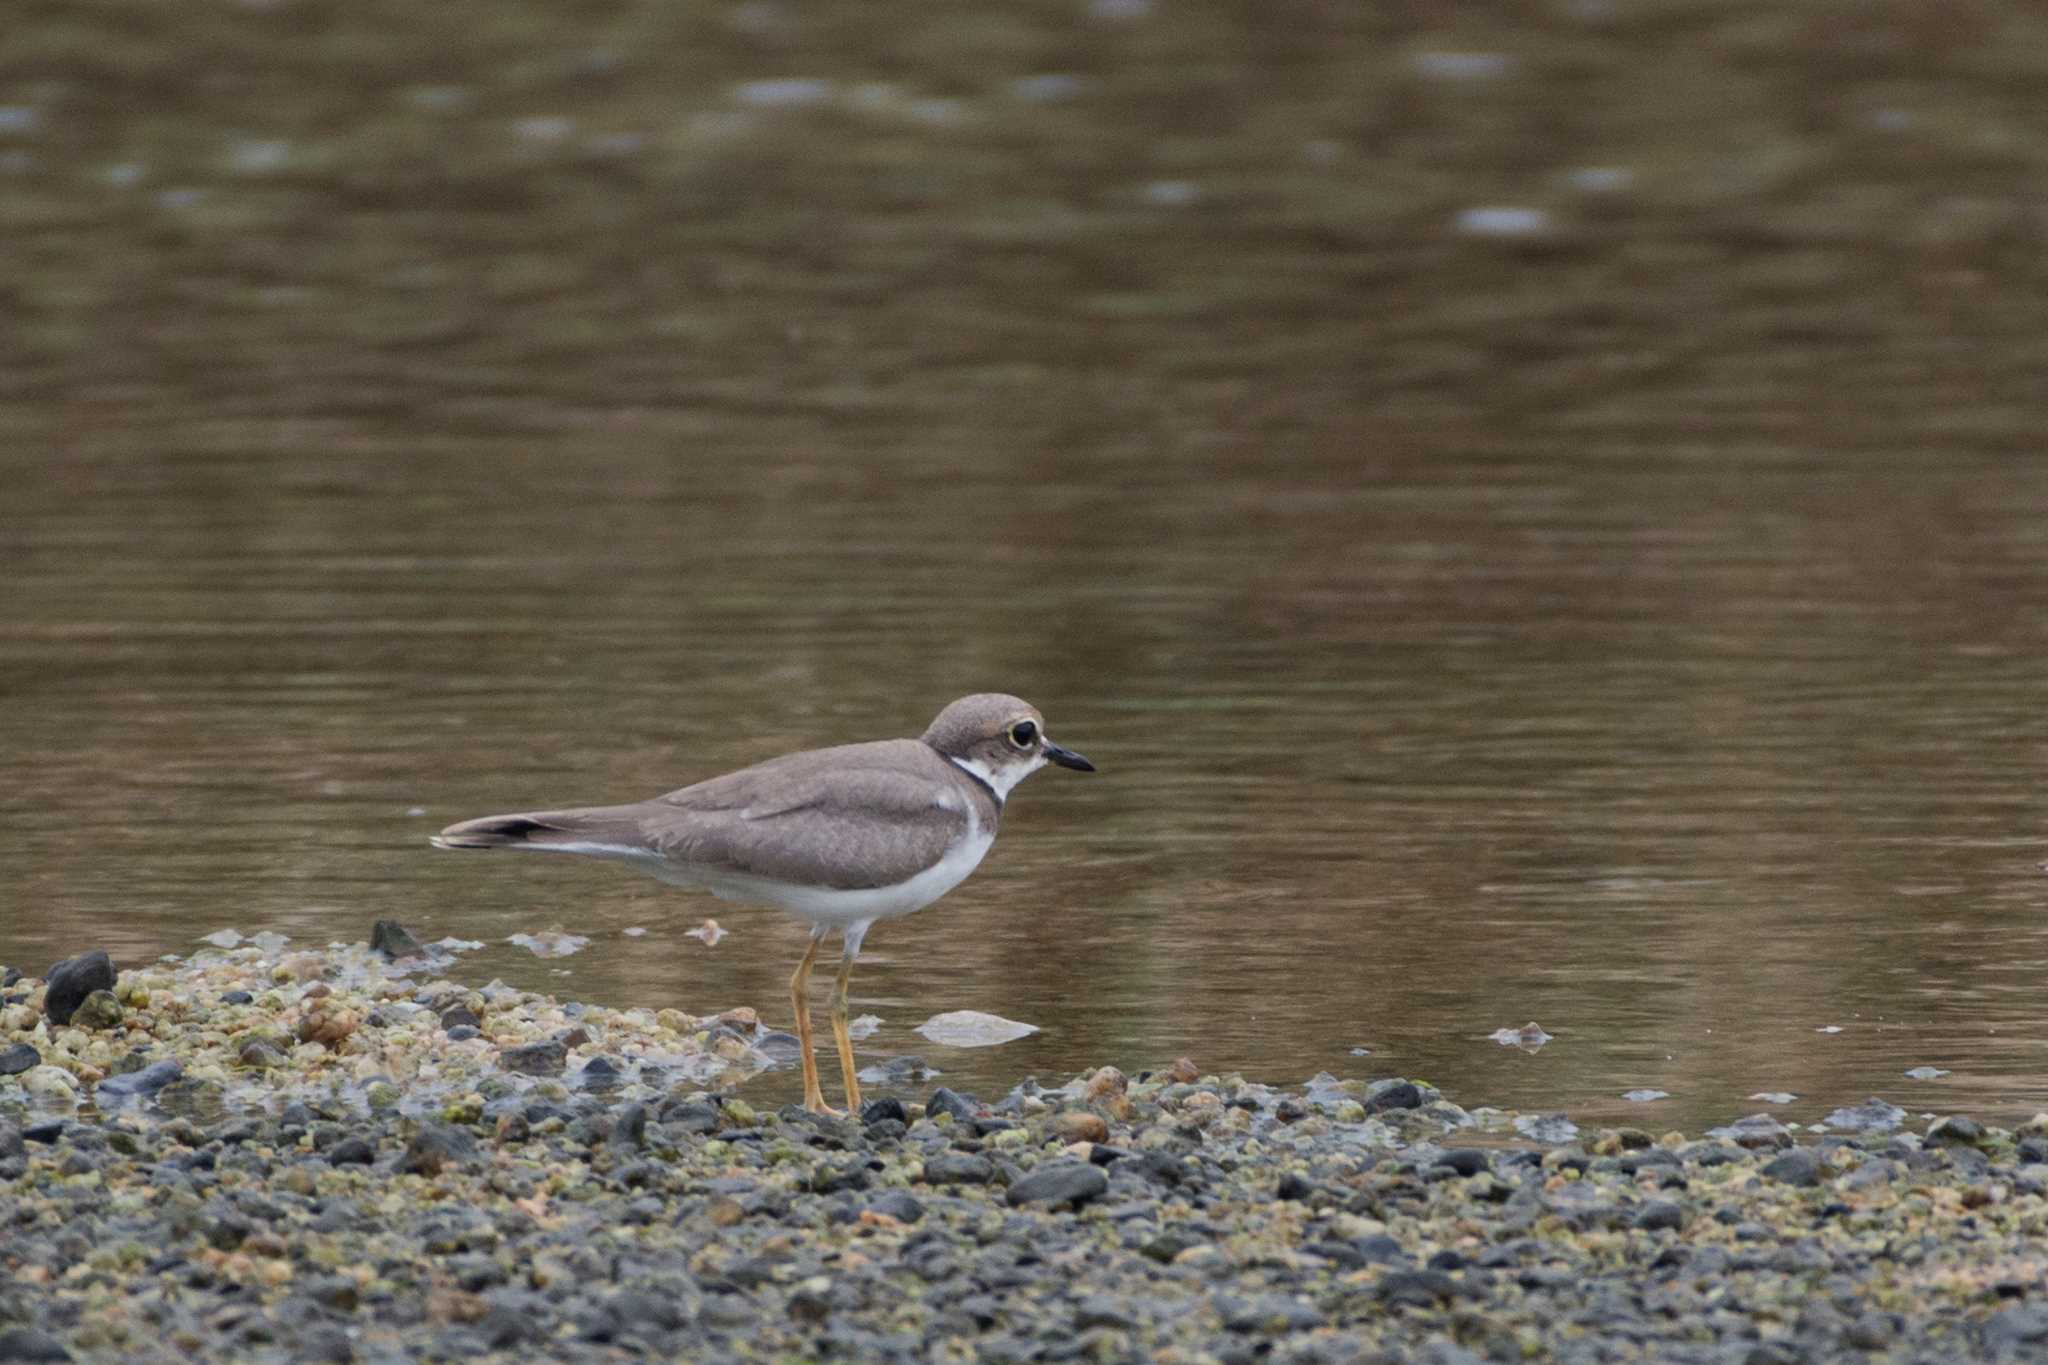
{"x": 67, "y": 984}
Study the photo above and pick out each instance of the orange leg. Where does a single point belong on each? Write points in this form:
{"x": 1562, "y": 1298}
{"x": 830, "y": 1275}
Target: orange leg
{"x": 814, "y": 1096}
{"x": 844, "y": 1037}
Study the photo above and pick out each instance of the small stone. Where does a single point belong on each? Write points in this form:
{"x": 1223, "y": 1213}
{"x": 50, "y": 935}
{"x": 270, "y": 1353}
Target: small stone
{"x": 2017, "y": 1327}
{"x": 1103, "y": 1310}
{"x": 1106, "y": 1082}
{"x": 259, "y": 1055}
{"x": 957, "y": 1168}
{"x": 1169, "y": 1245}
{"x": 1466, "y": 1161}
{"x": 147, "y": 1081}
{"x": 629, "y": 1129}
{"x": 49, "y": 1082}
{"x": 329, "y": 1027}
{"x": 1955, "y": 1131}
{"x": 435, "y": 1147}
{"x": 236, "y": 998}
{"x": 26, "y": 1343}
{"x": 1800, "y": 1166}
{"x": 1872, "y": 1116}
{"x": 98, "y": 1012}
{"x": 535, "y": 1059}
{"x": 1184, "y": 1071}
{"x": 390, "y": 938}
{"x": 884, "y": 1110}
{"x": 351, "y": 1151}
{"x": 600, "y": 1073}
{"x": 1871, "y": 1332}
{"x": 19, "y": 1058}
{"x": 1078, "y": 1125}
{"x": 1399, "y": 1095}
{"x": 947, "y": 1101}
{"x": 68, "y": 983}
{"x": 898, "y": 1204}
{"x": 1660, "y": 1215}
{"x": 459, "y": 1016}
{"x": 1415, "y": 1288}
{"x": 1059, "y": 1184}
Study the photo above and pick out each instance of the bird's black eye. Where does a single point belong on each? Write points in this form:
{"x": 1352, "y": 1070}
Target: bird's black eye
{"x": 1024, "y": 734}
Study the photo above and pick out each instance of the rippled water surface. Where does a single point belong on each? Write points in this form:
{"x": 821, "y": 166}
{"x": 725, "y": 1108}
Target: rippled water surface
{"x": 1638, "y": 630}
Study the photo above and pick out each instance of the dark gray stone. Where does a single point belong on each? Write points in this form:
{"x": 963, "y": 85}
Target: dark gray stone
{"x": 147, "y": 1081}
{"x": 957, "y": 1168}
{"x": 68, "y": 983}
{"x": 601, "y": 1074}
{"x": 1399, "y": 1095}
{"x": 898, "y": 1204}
{"x": 1103, "y": 1310}
{"x": 629, "y": 1128}
{"x": 690, "y": 1117}
{"x": 536, "y": 1059}
{"x": 26, "y": 1343}
{"x": 389, "y": 937}
{"x": 1272, "y": 1314}
{"x": 352, "y": 1151}
{"x": 19, "y": 1058}
{"x": 945, "y": 1101}
{"x": 435, "y": 1146}
{"x": 883, "y": 1111}
{"x": 1415, "y": 1288}
{"x": 1060, "y": 1184}
{"x": 1955, "y": 1131}
{"x": 1464, "y": 1160}
{"x": 1800, "y": 1166}
{"x": 2017, "y": 1327}
{"x": 1171, "y": 1242}
{"x": 1659, "y": 1215}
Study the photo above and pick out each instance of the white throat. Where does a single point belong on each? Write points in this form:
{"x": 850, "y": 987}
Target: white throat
{"x": 1001, "y": 780}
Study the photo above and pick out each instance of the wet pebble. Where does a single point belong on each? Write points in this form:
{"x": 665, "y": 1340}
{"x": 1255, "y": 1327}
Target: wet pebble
{"x": 146, "y": 1081}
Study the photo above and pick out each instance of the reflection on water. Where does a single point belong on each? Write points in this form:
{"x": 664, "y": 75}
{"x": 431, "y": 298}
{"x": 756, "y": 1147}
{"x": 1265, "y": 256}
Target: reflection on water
{"x": 1635, "y": 631}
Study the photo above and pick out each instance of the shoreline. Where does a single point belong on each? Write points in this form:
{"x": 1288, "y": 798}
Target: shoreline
{"x": 270, "y": 1153}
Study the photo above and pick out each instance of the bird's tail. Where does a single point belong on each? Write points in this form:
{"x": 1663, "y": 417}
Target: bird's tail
{"x": 600, "y": 829}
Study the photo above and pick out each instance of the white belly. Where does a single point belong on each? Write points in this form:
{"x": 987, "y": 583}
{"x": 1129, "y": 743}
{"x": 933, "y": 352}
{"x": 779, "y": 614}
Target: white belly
{"x": 835, "y": 909}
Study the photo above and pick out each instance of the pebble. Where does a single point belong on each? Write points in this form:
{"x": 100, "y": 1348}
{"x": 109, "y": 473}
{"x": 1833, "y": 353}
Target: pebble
{"x": 1063, "y": 1184}
{"x": 1955, "y": 1131}
{"x": 535, "y": 1059}
{"x": 145, "y": 1081}
{"x": 1800, "y": 1166}
{"x": 389, "y": 938}
{"x": 68, "y": 983}
{"x": 18, "y": 1058}
{"x": 99, "y": 1011}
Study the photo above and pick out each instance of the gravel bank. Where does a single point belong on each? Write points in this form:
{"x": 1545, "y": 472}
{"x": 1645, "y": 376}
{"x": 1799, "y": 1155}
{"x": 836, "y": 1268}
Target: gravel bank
{"x": 263, "y": 1154}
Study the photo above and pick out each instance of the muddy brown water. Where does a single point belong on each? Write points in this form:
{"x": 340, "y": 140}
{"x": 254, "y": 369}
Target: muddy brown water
{"x": 1627, "y": 616}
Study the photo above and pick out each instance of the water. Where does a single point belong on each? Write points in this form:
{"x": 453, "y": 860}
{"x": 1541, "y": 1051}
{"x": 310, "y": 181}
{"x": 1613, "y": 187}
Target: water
{"x": 1637, "y": 631}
